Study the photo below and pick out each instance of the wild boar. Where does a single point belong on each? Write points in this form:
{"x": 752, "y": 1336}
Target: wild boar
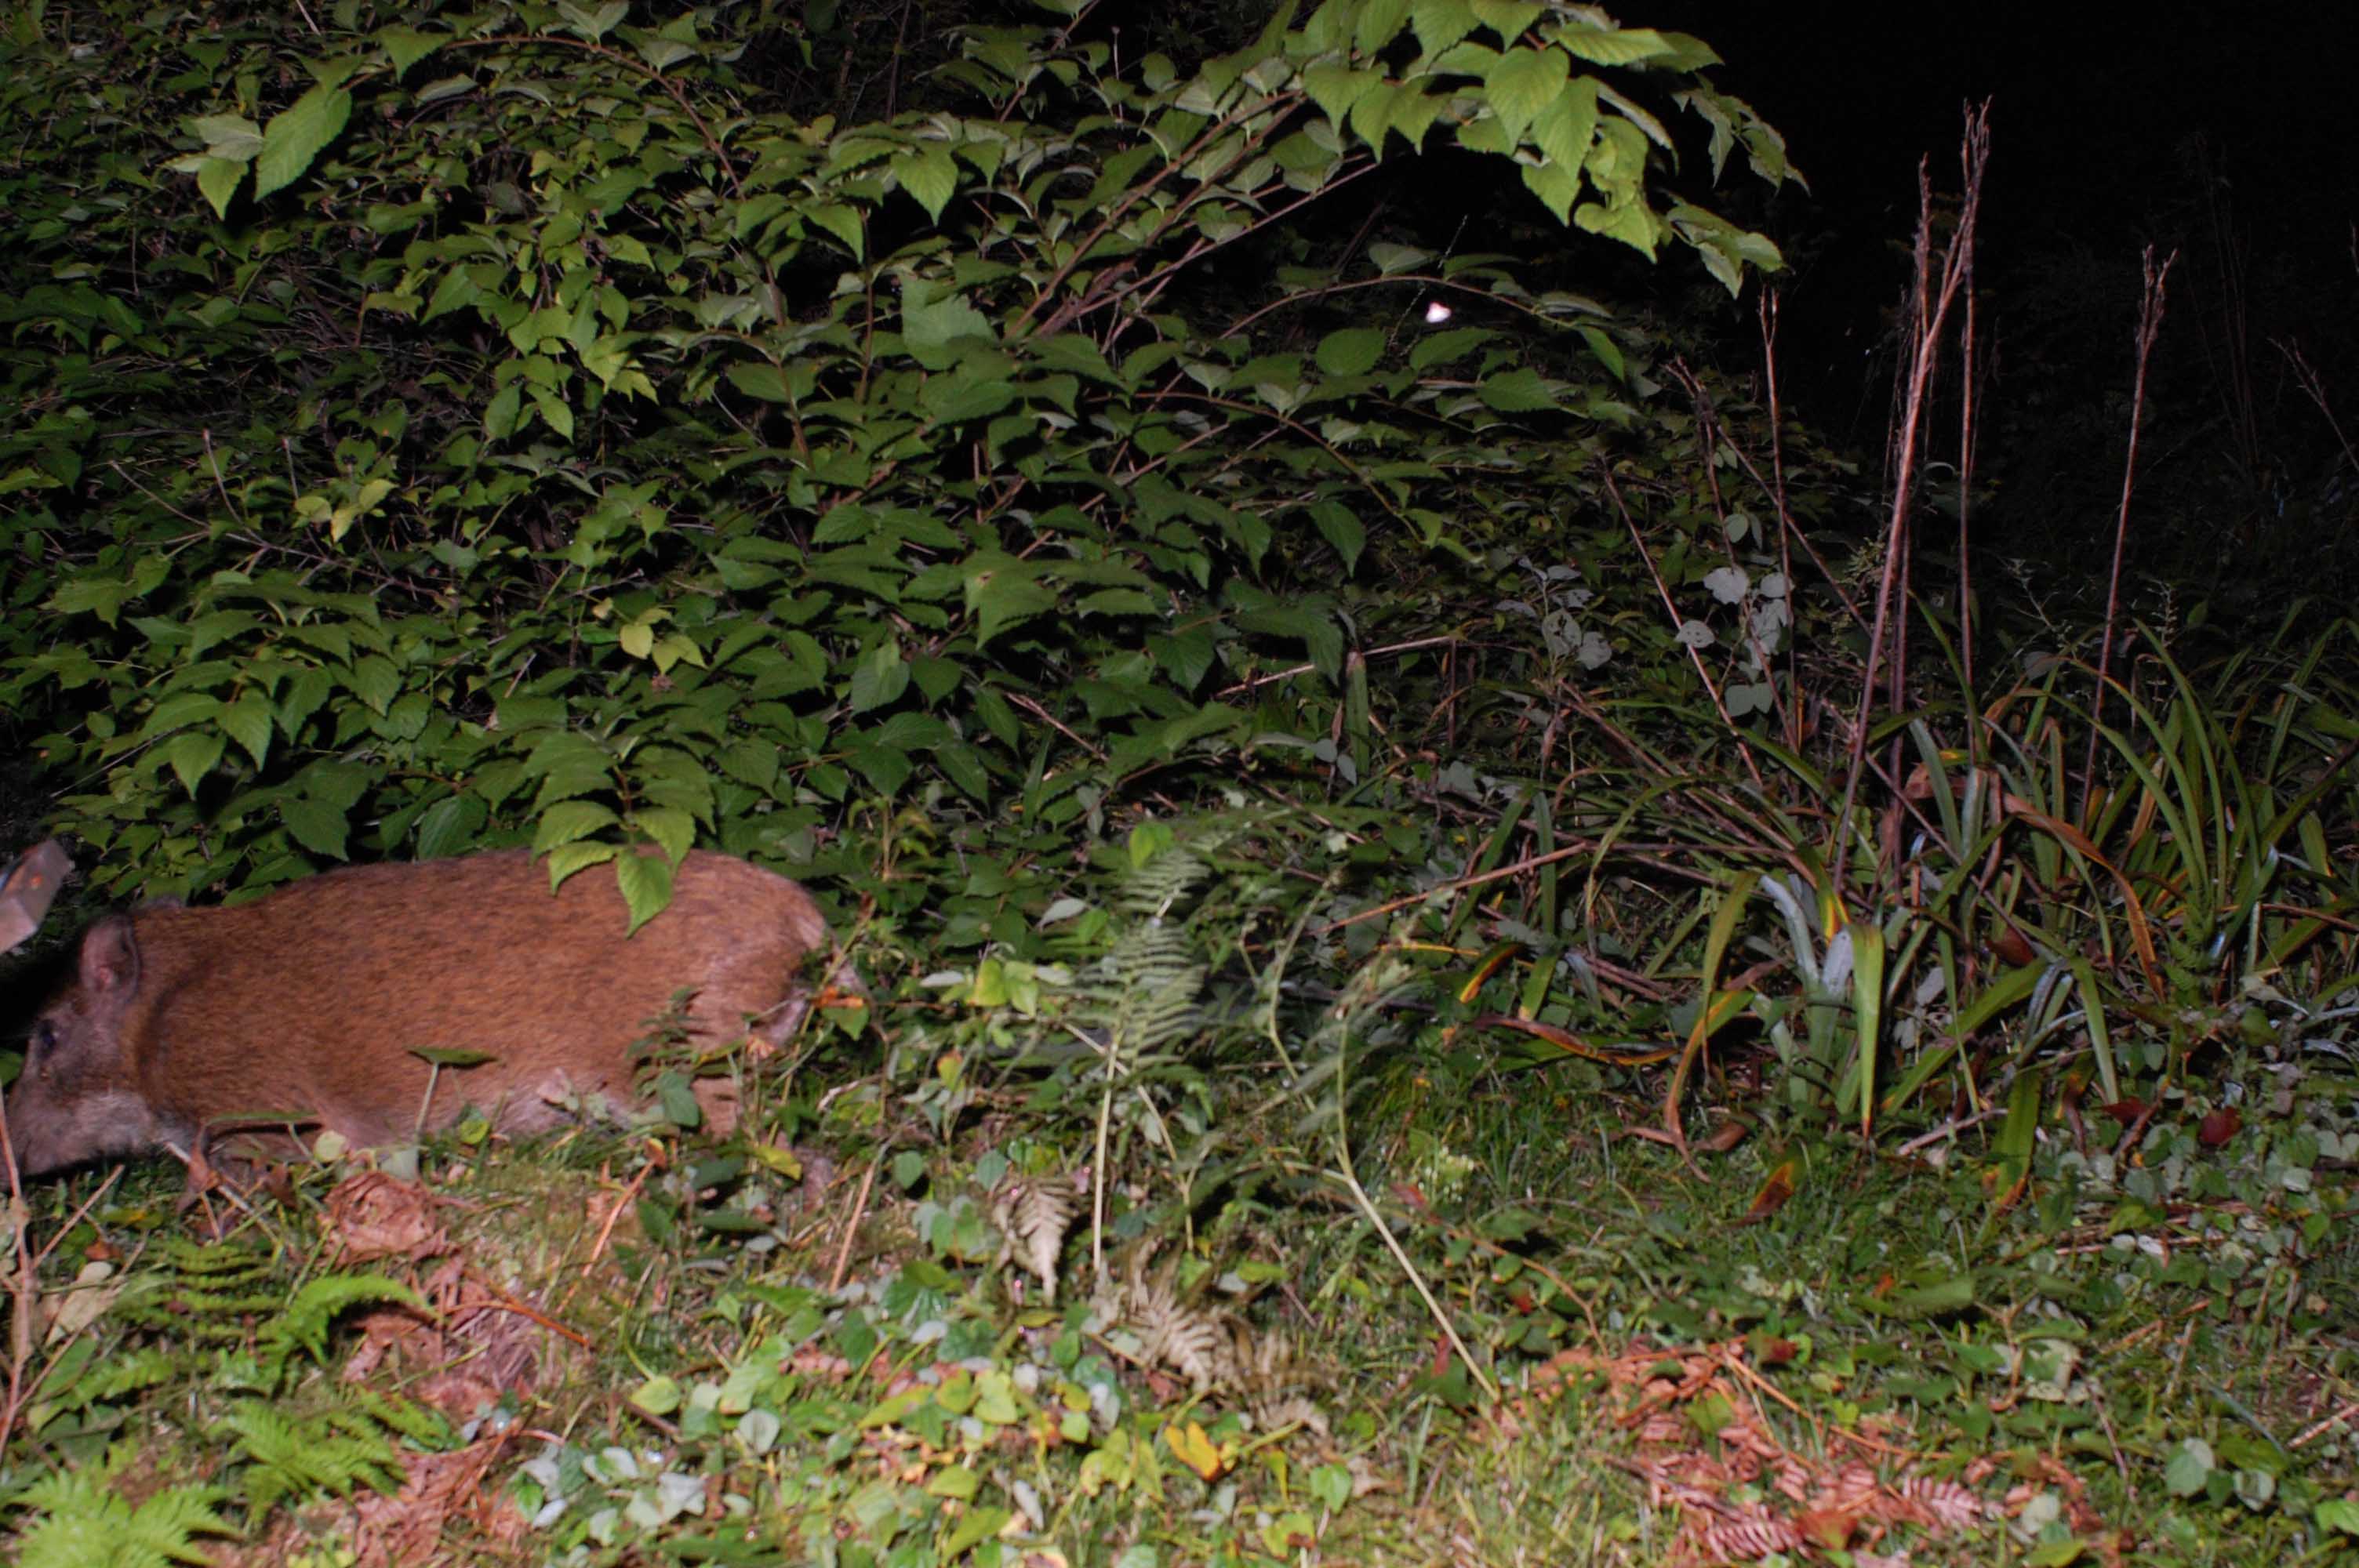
{"x": 307, "y": 1006}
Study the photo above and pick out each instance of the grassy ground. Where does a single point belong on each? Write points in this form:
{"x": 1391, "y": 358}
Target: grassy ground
{"x": 627, "y": 1349}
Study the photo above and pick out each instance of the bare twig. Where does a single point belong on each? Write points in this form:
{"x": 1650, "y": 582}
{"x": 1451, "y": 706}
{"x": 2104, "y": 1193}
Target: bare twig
{"x": 1933, "y": 318}
{"x": 2151, "y": 307}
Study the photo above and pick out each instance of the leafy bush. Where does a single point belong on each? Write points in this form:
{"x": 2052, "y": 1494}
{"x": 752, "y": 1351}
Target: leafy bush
{"x": 457, "y": 427}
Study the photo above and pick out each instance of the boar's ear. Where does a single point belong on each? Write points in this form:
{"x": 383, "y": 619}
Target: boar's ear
{"x": 110, "y": 959}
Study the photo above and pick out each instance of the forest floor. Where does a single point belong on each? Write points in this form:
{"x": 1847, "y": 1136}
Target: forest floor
{"x": 611, "y": 1348}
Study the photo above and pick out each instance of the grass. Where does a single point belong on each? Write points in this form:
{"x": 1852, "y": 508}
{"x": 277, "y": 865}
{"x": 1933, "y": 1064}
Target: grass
{"x": 627, "y": 1349}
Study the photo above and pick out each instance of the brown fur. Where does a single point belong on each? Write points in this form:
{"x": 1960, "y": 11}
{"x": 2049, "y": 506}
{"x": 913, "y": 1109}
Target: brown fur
{"x": 307, "y": 1005}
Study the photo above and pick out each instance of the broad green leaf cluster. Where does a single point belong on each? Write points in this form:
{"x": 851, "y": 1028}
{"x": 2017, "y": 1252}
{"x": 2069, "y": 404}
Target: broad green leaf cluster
{"x": 465, "y": 425}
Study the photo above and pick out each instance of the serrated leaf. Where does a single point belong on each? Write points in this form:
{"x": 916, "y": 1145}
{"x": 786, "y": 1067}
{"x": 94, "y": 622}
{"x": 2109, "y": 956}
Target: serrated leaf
{"x": 843, "y": 223}
{"x": 374, "y": 681}
{"x": 448, "y": 826}
{"x": 1630, "y": 223}
{"x": 194, "y": 753}
{"x": 928, "y": 330}
{"x": 568, "y": 859}
{"x": 646, "y": 881}
{"x": 248, "y": 721}
{"x": 405, "y": 47}
{"x": 1626, "y": 46}
{"x": 1380, "y": 22}
{"x": 878, "y": 678}
{"x": 1523, "y": 83}
{"x": 955, "y": 399}
{"x": 1564, "y": 130}
{"x": 930, "y": 175}
{"x": 295, "y": 136}
{"x": 569, "y": 820}
{"x": 756, "y": 378}
{"x": 1557, "y": 187}
{"x": 1607, "y": 352}
{"x": 1352, "y": 351}
{"x": 1507, "y": 18}
{"x": 1439, "y": 23}
{"x": 1005, "y": 597}
{"x": 1520, "y": 390}
{"x": 673, "y": 830}
{"x": 1372, "y": 114}
{"x": 217, "y": 182}
{"x": 314, "y": 824}
{"x": 752, "y": 763}
{"x": 230, "y": 136}
{"x": 1341, "y": 528}
{"x": 1336, "y": 88}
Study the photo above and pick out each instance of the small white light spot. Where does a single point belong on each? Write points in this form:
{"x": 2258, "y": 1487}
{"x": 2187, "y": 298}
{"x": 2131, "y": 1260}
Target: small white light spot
{"x": 1436, "y": 313}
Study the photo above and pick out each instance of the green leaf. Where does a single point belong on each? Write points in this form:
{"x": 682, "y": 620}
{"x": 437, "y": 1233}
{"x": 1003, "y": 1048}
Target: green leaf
{"x": 1380, "y": 22}
{"x": 318, "y": 825}
{"x": 929, "y": 175}
{"x": 756, "y": 378}
{"x": 673, "y": 829}
{"x": 1336, "y": 88}
{"x": 2188, "y": 1468}
{"x": 405, "y": 47}
{"x": 1626, "y": 46}
{"x": 568, "y": 859}
{"x": 232, "y": 137}
{"x": 878, "y": 678}
{"x": 956, "y": 397}
{"x": 1607, "y": 352}
{"x": 374, "y": 681}
{"x": 1564, "y": 130}
{"x": 194, "y": 753}
{"x": 1440, "y": 23}
{"x": 658, "y": 1396}
{"x": 1522, "y": 84}
{"x": 1341, "y": 529}
{"x": 217, "y": 182}
{"x": 646, "y": 881}
{"x": 1005, "y": 593}
{"x": 296, "y": 135}
{"x": 752, "y": 763}
{"x": 1557, "y": 187}
{"x": 248, "y": 721}
{"x": 1521, "y": 391}
{"x": 451, "y": 1057}
{"x": 843, "y": 223}
{"x": 1351, "y": 351}
{"x": 447, "y": 826}
{"x": 1507, "y": 18}
{"x": 569, "y": 820}
{"x": 928, "y": 330}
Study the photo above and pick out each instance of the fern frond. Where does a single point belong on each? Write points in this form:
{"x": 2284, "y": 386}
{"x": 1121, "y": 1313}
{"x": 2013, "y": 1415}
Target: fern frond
{"x": 306, "y": 1319}
{"x": 370, "y": 1412}
{"x": 87, "y": 1522}
{"x": 110, "y": 1377}
{"x": 1032, "y": 1218}
{"x": 1154, "y": 890}
{"x": 287, "y": 1459}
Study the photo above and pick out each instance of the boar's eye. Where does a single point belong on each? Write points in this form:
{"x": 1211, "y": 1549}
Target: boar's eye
{"x": 45, "y": 1039}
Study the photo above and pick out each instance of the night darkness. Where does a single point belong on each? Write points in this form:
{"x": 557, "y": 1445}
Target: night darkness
{"x": 2222, "y": 132}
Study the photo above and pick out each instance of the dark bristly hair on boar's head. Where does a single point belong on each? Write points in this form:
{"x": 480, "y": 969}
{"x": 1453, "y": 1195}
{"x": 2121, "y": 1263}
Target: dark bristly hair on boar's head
{"x": 307, "y": 1006}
